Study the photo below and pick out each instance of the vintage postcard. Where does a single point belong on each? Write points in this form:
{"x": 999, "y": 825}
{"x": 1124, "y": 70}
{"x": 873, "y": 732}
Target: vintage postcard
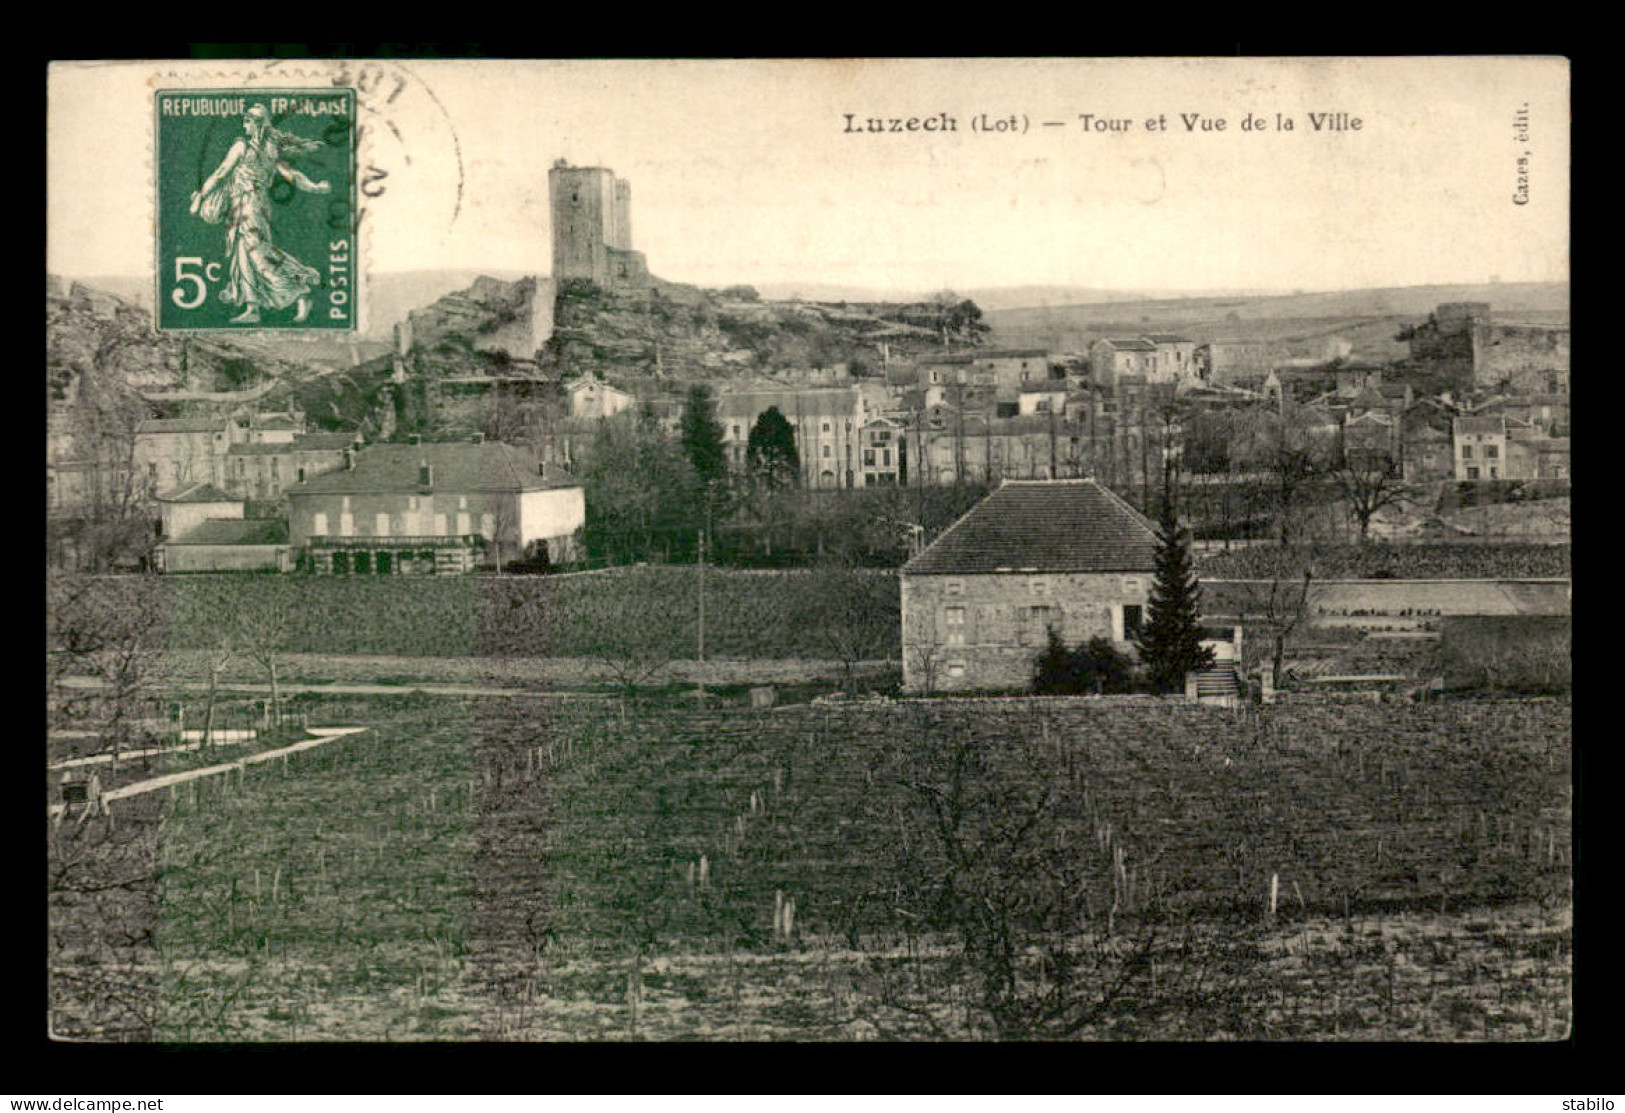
{"x": 826, "y": 550}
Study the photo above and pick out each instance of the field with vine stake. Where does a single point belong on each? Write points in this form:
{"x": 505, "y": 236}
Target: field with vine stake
{"x": 1013, "y": 869}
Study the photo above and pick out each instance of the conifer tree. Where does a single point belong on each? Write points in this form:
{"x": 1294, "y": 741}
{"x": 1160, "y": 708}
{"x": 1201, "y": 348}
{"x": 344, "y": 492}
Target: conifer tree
{"x": 1170, "y": 639}
{"x": 771, "y": 454}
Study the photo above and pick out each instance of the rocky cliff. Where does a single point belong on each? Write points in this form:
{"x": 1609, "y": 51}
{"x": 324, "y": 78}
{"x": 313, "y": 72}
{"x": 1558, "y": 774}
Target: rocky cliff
{"x": 681, "y": 332}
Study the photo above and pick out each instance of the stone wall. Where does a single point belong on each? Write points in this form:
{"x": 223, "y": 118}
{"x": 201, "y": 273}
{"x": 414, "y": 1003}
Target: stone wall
{"x": 1001, "y": 638}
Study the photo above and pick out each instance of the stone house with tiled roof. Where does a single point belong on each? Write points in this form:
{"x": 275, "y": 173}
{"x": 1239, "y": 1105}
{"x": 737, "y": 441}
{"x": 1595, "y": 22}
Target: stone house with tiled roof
{"x": 1480, "y": 448}
{"x": 265, "y": 469}
{"x": 434, "y": 507}
{"x": 189, "y": 506}
{"x": 175, "y": 451}
{"x": 978, "y": 602}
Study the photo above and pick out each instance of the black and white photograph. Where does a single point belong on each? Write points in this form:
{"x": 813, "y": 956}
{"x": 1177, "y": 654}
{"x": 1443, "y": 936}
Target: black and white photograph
{"x": 808, "y": 550}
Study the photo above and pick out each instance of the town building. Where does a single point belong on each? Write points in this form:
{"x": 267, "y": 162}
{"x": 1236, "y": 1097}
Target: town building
{"x": 435, "y": 508}
{"x": 978, "y": 603}
{"x": 588, "y": 398}
{"x": 1005, "y": 370}
{"x": 1160, "y": 357}
{"x": 1480, "y": 448}
{"x": 185, "y": 508}
{"x": 265, "y": 469}
{"x": 882, "y": 448}
{"x": 203, "y": 529}
{"x": 173, "y": 452}
{"x": 228, "y": 545}
{"x": 1234, "y": 361}
{"x": 825, "y": 420}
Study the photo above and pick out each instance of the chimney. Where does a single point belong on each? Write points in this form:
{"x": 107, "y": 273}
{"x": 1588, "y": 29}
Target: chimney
{"x": 425, "y": 474}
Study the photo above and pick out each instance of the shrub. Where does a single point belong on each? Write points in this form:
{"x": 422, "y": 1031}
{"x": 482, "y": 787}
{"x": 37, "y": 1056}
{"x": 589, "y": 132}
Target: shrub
{"x": 1096, "y": 666}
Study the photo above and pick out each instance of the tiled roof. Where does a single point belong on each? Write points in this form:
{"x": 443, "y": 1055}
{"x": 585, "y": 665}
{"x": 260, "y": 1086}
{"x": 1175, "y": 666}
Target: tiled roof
{"x": 198, "y": 492}
{"x": 1130, "y": 345}
{"x": 236, "y": 531}
{"x": 276, "y": 421}
{"x": 182, "y": 425}
{"x": 323, "y": 442}
{"x": 458, "y": 466}
{"x": 991, "y": 353}
{"x": 1496, "y": 425}
{"x": 309, "y": 442}
{"x": 1061, "y": 525}
{"x": 827, "y": 402}
{"x": 1167, "y": 338}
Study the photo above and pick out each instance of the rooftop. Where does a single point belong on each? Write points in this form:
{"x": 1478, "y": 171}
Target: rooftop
{"x": 1129, "y": 344}
{"x": 308, "y": 442}
{"x": 991, "y": 353}
{"x": 182, "y": 425}
{"x": 1480, "y": 425}
{"x": 236, "y": 531}
{"x": 1056, "y": 525}
{"x": 458, "y": 466}
{"x": 198, "y": 492}
{"x": 1167, "y": 338}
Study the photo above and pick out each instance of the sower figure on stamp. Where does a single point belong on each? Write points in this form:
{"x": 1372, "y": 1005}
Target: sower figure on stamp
{"x": 262, "y": 274}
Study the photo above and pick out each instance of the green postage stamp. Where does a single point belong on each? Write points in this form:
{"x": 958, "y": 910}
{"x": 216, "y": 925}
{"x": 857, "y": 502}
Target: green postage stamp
{"x": 256, "y": 210}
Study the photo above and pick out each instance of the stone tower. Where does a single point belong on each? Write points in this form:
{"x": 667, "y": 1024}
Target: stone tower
{"x": 592, "y": 226}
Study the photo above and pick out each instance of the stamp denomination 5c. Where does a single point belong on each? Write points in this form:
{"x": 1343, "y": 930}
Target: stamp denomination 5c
{"x": 256, "y": 209}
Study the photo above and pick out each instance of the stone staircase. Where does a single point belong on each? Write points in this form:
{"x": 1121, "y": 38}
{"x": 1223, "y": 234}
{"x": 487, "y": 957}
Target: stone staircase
{"x": 1218, "y": 684}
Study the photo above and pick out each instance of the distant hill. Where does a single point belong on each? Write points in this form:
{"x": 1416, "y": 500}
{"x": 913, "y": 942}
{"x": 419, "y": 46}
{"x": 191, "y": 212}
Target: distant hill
{"x": 1359, "y": 315}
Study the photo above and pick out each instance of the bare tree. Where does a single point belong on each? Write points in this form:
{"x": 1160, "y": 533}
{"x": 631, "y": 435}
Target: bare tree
{"x": 1051, "y": 922}
{"x": 109, "y": 632}
{"x": 1370, "y": 482}
{"x": 264, "y": 622}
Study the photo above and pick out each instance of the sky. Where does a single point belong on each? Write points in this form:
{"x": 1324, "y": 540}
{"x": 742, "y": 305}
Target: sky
{"x": 746, "y": 171}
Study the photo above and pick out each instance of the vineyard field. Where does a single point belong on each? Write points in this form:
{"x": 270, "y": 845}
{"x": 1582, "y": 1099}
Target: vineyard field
{"x": 502, "y": 869}
{"x": 748, "y": 614}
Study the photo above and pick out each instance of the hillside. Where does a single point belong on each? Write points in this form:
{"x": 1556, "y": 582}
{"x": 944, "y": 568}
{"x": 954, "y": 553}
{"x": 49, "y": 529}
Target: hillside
{"x": 87, "y": 329}
{"x": 1367, "y": 318}
{"x": 683, "y": 332}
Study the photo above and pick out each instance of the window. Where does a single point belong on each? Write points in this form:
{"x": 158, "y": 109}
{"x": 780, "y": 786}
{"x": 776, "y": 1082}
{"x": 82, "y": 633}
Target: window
{"x": 1042, "y": 406}
{"x": 953, "y": 618}
{"x": 955, "y": 587}
{"x": 1492, "y": 473}
{"x": 1132, "y": 616}
{"x": 1472, "y": 473}
{"x": 318, "y": 525}
{"x": 462, "y": 502}
{"x": 381, "y": 527}
{"x": 885, "y": 457}
{"x": 463, "y": 525}
{"x": 1466, "y": 452}
{"x": 826, "y": 426}
{"x": 736, "y": 432}
{"x": 1491, "y": 451}
{"x": 956, "y": 669}
{"x": 826, "y": 452}
{"x": 488, "y": 525}
{"x": 868, "y": 457}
